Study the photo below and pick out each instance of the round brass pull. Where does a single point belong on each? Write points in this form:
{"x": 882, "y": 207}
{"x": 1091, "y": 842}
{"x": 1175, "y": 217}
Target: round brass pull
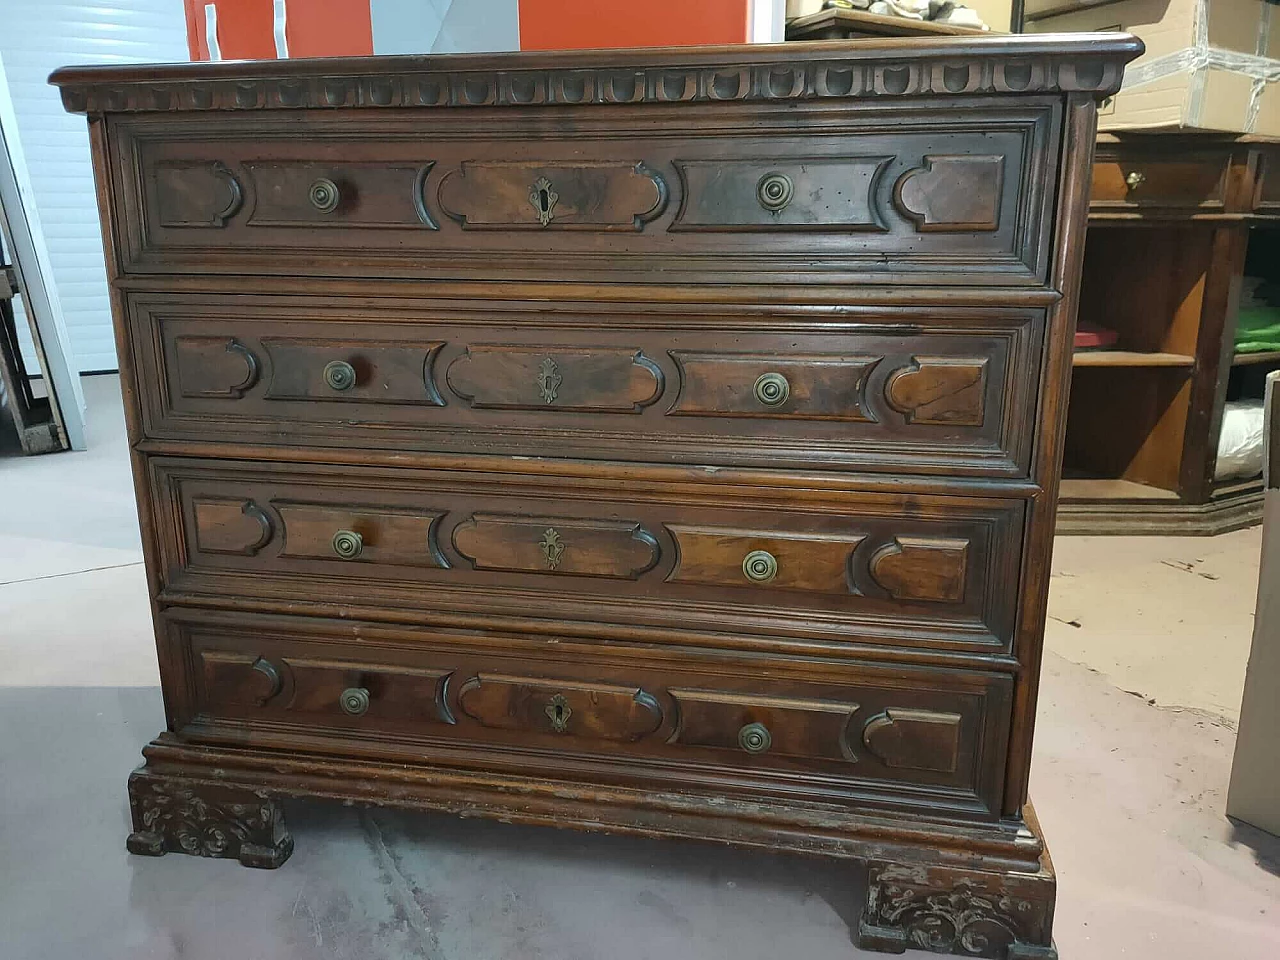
{"x": 774, "y": 191}
{"x": 760, "y": 566}
{"x": 340, "y": 375}
{"x": 772, "y": 389}
{"x": 1135, "y": 179}
{"x": 324, "y": 195}
{"x": 355, "y": 701}
{"x": 755, "y": 738}
{"x": 347, "y": 544}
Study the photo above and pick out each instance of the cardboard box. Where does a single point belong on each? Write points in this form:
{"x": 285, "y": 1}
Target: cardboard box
{"x": 1209, "y": 65}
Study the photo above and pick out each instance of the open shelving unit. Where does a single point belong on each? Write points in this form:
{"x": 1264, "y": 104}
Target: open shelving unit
{"x": 1175, "y": 221}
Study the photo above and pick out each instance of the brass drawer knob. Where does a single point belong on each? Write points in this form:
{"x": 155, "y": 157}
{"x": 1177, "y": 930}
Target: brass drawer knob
{"x": 1135, "y": 179}
{"x": 347, "y": 544}
{"x": 772, "y": 389}
{"x": 760, "y": 566}
{"x": 354, "y": 701}
{"x": 774, "y": 191}
{"x": 324, "y": 195}
{"x": 339, "y": 375}
{"x": 755, "y": 738}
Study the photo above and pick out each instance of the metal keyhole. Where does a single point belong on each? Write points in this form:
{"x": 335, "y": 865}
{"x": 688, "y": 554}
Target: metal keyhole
{"x": 558, "y": 712}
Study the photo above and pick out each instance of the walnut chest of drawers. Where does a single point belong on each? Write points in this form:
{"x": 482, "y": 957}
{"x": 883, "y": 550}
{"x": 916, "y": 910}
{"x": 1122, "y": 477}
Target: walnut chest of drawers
{"x": 663, "y": 442}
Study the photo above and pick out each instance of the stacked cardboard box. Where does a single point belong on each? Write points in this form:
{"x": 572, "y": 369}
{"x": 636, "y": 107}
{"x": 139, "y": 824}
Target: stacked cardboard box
{"x": 1209, "y": 65}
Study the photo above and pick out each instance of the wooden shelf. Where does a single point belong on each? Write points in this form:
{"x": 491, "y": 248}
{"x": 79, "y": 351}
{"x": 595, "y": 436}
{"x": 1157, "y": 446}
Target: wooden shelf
{"x": 1111, "y": 489}
{"x": 1262, "y": 356}
{"x": 1130, "y": 358}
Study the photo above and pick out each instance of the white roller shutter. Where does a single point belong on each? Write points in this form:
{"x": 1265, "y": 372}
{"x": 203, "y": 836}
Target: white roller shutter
{"x": 36, "y": 37}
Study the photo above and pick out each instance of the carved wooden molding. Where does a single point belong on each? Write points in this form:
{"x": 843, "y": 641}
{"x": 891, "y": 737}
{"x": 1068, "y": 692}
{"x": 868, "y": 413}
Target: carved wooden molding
{"x": 915, "y": 739}
{"x": 619, "y": 549}
{"x": 587, "y": 195}
{"x": 509, "y": 377}
{"x": 534, "y": 704}
{"x": 952, "y": 194}
{"x": 948, "y": 391}
{"x": 939, "y": 68}
{"x": 922, "y": 568}
{"x": 188, "y": 193}
{"x": 214, "y": 367}
{"x": 230, "y": 525}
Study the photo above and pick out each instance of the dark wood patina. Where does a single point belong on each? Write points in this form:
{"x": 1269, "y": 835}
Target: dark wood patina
{"x": 662, "y": 442}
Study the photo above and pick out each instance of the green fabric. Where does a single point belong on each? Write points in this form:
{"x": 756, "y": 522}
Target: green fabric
{"x": 1258, "y": 329}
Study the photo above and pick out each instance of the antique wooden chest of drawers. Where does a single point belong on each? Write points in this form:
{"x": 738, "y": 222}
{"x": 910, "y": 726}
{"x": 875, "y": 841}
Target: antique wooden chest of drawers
{"x": 661, "y": 442}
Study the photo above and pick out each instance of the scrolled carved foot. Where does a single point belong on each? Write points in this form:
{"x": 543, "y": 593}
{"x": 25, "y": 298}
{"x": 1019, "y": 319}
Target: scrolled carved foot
{"x": 175, "y": 815}
{"x": 947, "y": 910}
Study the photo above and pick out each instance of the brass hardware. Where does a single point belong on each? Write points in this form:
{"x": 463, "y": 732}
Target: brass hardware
{"x": 340, "y": 375}
{"x": 552, "y": 547}
{"x": 543, "y": 199}
{"x": 558, "y": 712}
{"x": 1135, "y": 179}
{"x": 760, "y": 566}
{"x": 772, "y": 389}
{"x": 774, "y": 191}
{"x": 755, "y": 738}
{"x": 549, "y": 380}
{"x": 324, "y": 195}
{"x": 347, "y": 544}
{"x": 354, "y": 701}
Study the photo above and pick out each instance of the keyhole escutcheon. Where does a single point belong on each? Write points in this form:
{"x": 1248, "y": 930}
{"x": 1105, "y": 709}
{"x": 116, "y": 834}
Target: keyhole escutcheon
{"x": 558, "y": 712}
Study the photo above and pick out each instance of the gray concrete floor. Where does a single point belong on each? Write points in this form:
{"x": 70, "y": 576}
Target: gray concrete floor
{"x": 1132, "y": 756}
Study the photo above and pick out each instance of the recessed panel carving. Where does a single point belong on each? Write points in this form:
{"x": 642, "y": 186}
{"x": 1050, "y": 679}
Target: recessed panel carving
{"x": 787, "y": 192}
{"x": 531, "y": 195}
{"x": 717, "y": 556}
{"x": 591, "y": 548}
{"x": 214, "y": 367}
{"x": 541, "y": 705}
{"x": 915, "y": 739}
{"x": 940, "y": 390}
{"x": 196, "y": 193}
{"x": 821, "y": 387}
{"x": 380, "y": 372}
{"x": 604, "y": 379}
{"x": 367, "y": 195}
{"x": 923, "y": 568}
{"x": 785, "y": 726}
{"x": 952, "y": 194}
{"x": 382, "y": 535}
{"x": 230, "y": 526}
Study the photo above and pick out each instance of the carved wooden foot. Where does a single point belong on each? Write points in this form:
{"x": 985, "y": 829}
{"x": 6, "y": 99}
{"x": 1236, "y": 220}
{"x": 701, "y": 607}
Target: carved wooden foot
{"x": 1005, "y": 916}
{"x": 173, "y": 814}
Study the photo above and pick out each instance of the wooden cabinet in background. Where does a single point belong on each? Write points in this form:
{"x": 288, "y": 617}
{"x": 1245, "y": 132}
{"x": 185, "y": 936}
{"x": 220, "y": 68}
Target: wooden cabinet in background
{"x": 664, "y": 443}
{"x": 1171, "y": 221}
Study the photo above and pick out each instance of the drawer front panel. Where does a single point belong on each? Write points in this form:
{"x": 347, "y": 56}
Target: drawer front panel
{"x": 942, "y": 390}
{"x": 928, "y": 570}
{"x": 913, "y": 191}
{"x": 844, "y": 734}
{"x": 1139, "y": 180}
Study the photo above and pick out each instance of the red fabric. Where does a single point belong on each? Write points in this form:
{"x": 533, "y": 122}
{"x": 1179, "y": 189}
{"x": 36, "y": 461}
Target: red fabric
{"x": 245, "y": 29}
{"x": 587, "y": 24}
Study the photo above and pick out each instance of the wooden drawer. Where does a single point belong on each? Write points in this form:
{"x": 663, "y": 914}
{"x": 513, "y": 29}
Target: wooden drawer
{"x": 737, "y": 195}
{"x": 840, "y": 569}
{"x": 939, "y": 390}
{"x": 852, "y": 735}
{"x": 1140, "y": 180}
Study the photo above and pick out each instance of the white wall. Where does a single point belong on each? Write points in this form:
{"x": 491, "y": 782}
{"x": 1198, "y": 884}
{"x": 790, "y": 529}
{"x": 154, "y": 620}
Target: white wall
{"x": 37, "y": 36}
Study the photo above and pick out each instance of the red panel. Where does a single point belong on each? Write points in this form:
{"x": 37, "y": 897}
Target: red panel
{"x": 245, "y": 29}
{"x": 329, "y": 28}
{"x": 588, "y": 24}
